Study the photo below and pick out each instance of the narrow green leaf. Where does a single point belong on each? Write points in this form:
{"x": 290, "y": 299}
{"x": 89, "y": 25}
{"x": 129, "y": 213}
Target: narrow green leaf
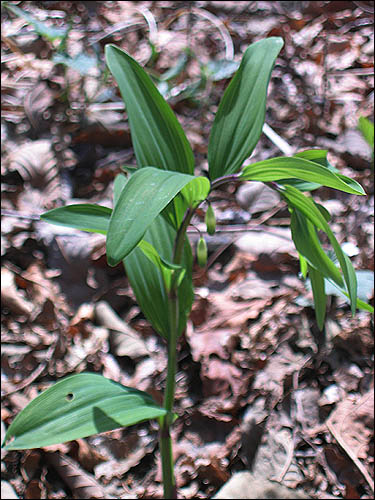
{"x": 147, "y": 281}
{"x": 281, "y": 167}
{"x": 158, "y": 138}
{"x": 367, "y": 129}
{"x": 145, "y": 195}
{"x": 77, "y": 407}
{"x": 303, "y": 265}
{"x": 317, "y": 156}
{"x": 308, "y": 245}
{"x": 298, "y": 200}
{"x": 320, "y": 300}
{"x": 49, "y": 32}
{"x": 166, "y": 268}
{"x": 83, "y": 216}
{"x": 240, "y": 117}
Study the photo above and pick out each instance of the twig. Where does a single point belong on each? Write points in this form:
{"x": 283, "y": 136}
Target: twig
{"x": 362, "y": 469}
{"x": 227, "y": 39}
{"x": 35, "y": 374}
{"x": 278, "y": 141}
{"x": 19, "y": 215}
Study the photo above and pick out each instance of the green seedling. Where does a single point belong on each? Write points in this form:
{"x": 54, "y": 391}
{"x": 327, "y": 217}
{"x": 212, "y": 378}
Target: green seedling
{"x": 146, "y": 231}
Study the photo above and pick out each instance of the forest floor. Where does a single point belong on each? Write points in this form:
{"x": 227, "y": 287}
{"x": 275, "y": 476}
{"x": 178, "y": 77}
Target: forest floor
{"x": 259, "y": 387}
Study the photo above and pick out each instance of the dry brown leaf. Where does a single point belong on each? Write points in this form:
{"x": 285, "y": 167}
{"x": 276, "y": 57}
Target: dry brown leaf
{"x": 82, "y": 484}
{"x": 11, "y": 296}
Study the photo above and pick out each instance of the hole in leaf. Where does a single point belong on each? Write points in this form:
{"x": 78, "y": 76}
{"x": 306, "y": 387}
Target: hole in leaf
{"x": 69, "y": 396}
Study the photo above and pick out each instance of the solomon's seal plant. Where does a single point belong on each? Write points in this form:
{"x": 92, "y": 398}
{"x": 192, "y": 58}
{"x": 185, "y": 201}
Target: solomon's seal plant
{"x": 146, "y": 230}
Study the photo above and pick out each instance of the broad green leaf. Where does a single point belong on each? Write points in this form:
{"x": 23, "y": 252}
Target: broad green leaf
{"x": 281, "y": 167}
{"x": 145, "y": 195}
{"x": 146, "y": 278}
{"x": 240, "y": 117}
{"x": 320, "y": 300}
{"x": 84, "y": 216}
{"x": 305, "y": 205}
{"x": 48, "y": 32}
{"x": 367, "y": 129}
{"x": 308, "y": 245}
{"x": 158, "y": 138}
{"x": 77, "y": 407}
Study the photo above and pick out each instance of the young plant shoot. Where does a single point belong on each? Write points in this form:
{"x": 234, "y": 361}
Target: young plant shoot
{"x": 146, "y": 231}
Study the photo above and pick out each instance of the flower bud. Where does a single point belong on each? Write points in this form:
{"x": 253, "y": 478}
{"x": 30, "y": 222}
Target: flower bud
{"x": 210, "y": 220}
{"x": 202, "y": 252}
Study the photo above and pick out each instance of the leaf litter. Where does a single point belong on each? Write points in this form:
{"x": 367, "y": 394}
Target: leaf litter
{"x": 264, "y": 398}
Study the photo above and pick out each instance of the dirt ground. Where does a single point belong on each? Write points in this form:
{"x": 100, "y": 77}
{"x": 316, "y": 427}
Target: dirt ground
{"x": 259, "y": 387}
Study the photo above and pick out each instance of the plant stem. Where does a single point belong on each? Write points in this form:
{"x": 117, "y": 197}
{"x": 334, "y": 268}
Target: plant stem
{"x": 169, "y": 482}
{"x": 165, "y": 436}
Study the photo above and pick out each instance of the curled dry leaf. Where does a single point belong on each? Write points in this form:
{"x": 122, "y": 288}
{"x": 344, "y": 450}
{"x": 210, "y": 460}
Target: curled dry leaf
{"x": 82, "y": 484}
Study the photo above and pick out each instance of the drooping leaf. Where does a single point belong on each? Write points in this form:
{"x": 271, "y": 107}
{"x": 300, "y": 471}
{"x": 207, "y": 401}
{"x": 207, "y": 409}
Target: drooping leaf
{"x": 147, "y": 281}
{"x": 145, "y": 195}
{"x": 317, "y": 156}
{"x": 84, "y": 216}
{"x": 282, "y": 167}
{"x": 158, "y": 138}
{"x": 77, "y": 407}
{"x": 320, "y": 300}
{"x": 240, "y": 117}
{"x": 305, "y": 205}
{"x": 308, "y": 245}
{"x": 166, "y": 268}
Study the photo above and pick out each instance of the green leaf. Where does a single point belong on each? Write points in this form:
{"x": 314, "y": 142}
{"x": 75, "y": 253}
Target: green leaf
{"x": 190, "y": 196}
{"x": 308, "y": 245}
{"x": 81, "y": 63}
{"x": 48, "y": 32}
{"x": 281, "y": 167}
{"x": 118, "y": 186}
{"x": 146, "y": 279}
{"x": 317, "y": 156}
{"x": 367, "y": 129}
{"x": 145, "y": 195}
{"x": 220, "y": 69}
{"x": 240, "y": 117}
{"x": 158, "y": 138}
{"x": 320, "y": 300}
{"x": 305, "y": 205}
{"x": 77, "y": 407}
{"x": 83, "y": 216}
{"x": 166, "y": 268}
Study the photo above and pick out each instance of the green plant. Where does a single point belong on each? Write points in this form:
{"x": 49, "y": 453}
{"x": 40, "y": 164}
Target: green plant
{"x": 146, "y": 230}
